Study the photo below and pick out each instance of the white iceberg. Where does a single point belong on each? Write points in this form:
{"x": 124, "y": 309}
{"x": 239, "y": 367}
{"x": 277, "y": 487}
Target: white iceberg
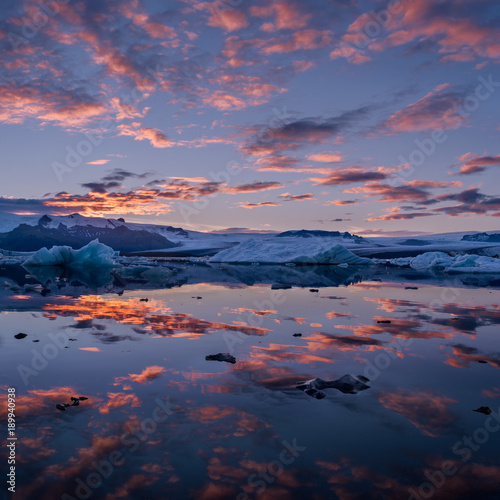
{"x": 431, "y": 260}
{"x": 93, "y": 254}
{"x": 474, "y": 264}
{"x": 468, "y": 263}
{"x": 298, "y": 251}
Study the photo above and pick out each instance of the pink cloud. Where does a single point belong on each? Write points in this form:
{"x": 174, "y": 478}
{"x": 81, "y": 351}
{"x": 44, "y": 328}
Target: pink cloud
{"x": 437, "y": 110}
{"x": 300, "y": 40}
{"x": 156, "y": 137}
{"x": 478, "y": 164}
{"x": 325, "y": 157}
{"x": 287, "y": 14}
{"x": 226, "y": 17}
{"x": 97, "y": 162}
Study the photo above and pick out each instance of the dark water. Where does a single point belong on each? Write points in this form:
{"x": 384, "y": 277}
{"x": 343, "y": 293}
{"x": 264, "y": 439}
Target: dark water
{"x": 161, "y": 422}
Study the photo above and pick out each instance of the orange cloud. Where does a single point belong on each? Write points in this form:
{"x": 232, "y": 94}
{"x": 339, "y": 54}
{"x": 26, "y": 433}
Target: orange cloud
{"x": 157, "y": 138}
{"x": 325, "y": 157}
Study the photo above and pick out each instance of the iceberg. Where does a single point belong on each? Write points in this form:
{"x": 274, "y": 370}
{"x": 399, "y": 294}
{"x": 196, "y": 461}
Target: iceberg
{"x": 431, "y": 260}
{"x": 474, "y": 264}
{"x": 468, "y": 263}
{"x": 94, "y": 254}
{"x": 297, "y": 251}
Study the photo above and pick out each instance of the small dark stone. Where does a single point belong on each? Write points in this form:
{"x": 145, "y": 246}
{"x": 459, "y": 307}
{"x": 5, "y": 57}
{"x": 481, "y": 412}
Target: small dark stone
{"x": 314, "y": 290}
{"x": 82, "y": 398}
{"x": 143, "y": 300}
{"x": 297, "y": 335}
{"x": 278, "y": 286}
{"x": 221, "y": 356}
{"x": 36, "y": 341}
{"x": 483, "y": 409}
{"x": 20, "y": 336}
{"x": 76, "y": 403}
{"x": 387, "y": 321}
{"x": 72, "y": 340}
{"x": 411, "y": 287}
{"x": 60, "y": 407}
{"x": 482, "y": 361}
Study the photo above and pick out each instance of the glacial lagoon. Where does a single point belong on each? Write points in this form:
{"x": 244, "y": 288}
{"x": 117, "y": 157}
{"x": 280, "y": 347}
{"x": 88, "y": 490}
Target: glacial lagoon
{"x": 162, "y": 422}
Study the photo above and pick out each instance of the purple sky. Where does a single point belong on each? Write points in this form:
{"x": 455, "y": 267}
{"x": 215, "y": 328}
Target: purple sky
{"x": 371, "y": 117}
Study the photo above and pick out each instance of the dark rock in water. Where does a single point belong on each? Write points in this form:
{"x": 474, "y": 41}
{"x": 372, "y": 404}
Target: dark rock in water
{"x": 20, "y": 336}
{"x": 72, "y": 340}
{"x": 348, "y": 384}
{"x": 484, "y": 409}
{"x": 199, "y": 298}
{"x": 143, "y": 300}
{"x": 278, "y": 286}
{"x": 36, "y": 341}
{"x": 314, "y": 290}
{"x": 76, "y": 403}
{"x": 387, "y": 321}
{"x": 221, "y": 356}
{"x": 73, "y": 399}
{"x": 297, "y": 335}
{"x": 66, "y": 405}
{"x": 60, "y": 407}
{"x": 82, "y": 398}
{"x": 411, "y": 287}
{"x": 482, "y": 361}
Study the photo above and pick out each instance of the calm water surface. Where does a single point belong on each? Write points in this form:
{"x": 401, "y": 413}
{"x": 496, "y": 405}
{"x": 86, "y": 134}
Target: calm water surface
{"x": 161, "y": 422}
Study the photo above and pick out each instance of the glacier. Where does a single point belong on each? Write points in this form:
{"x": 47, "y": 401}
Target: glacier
{"x": 94, "y": 254}
{"x": 297, "y": 251}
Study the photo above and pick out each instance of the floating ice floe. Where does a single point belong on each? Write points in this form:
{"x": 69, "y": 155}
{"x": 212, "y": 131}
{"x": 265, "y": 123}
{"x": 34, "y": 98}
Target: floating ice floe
{"x": 221, "y": 356}
{"x": 300, "y": 252}
{"x": 348, "y": 384}
{"x": 467, "y": 263}
{"x": 94, "y": 254}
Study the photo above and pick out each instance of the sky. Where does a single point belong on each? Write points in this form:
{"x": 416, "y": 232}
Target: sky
{"x": 374, "y": 117}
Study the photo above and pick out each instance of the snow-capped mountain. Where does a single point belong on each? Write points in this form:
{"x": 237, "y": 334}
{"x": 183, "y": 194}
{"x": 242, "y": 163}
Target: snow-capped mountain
{"x": 30, "y": 234}
{"x": 488, "y": 237}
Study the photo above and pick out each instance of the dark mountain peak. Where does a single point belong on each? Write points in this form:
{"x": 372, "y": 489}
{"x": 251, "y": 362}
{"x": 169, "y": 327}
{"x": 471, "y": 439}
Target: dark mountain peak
{"x": 44, "y": 220}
